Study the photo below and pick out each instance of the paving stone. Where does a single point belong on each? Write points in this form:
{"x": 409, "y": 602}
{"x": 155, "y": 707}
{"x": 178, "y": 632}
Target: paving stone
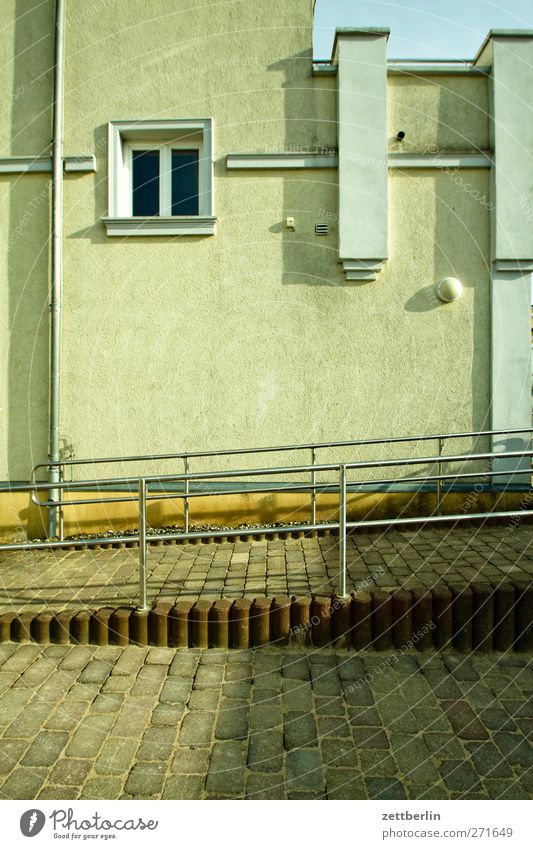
{"x": 107, "y": 703}
{"x": 160, "y": 656}
{"x": 488, "y": 760}
{"x": 203, "y": 700}
{"x": 119, "y": 684}
{"x": 515, "y": 748}
{"x": 157, "y": 744}
{"x": 191, "y": 760}
{"x": 167, "y": 714}
{"x": 232, "y": 722}
{"x": 263, "y": 717}
{"x": 29, "y": 721}
{"x": 116, "y": 755}
{"x": 45, "y": 748}
{"x": 444, "y": 746}
{"x": 498, "y": 788}
{"x": 23, "y": 783}
{"x": 197, "y": 728}
{"x": 395, "y": 714}
{"x": 337, "y": 752}
{"x": 96, "y": 672}
{"x": 66, "y": 716}
{"x": 130, "y": 661}
{"x": 227, "y": 768}
{"x": 327, "y": 706}
{"x": 70, "y": 771}
{"x": 296, "y": 695}
{"x": 344, "y": 784}
{"x": 414, "y": 759}
{"x": 333, "y": 726}
{"x": 184, "y": 787}
{"x": 431, "y": 719}
{"x": 299, "y": 729}
{"x": 385, "y": 788}
{"x": 265, "y": 751}
{"x": 133, "y": 717}
{"x": 370, "y": 738}
{"x": 497, "y": 719}
{"x": 304, "y": 770}
{"x": 422, "y": 791}
{"x": 236, "y": 691}
{"x": 377, "y": 764}
{"x": 459, "y": 775}
{"x": 11, "y": 752}
{"x": 464, "y": 721}
{"x": 146, "y": 779}
{"x": 175, "y": 692}
{"x": 238, "y": 672}
{"x": 209, "y": 676}
{"x": 295, "y": 666}
{"x": 265, "y": 786}
{"x": 363, "y": 716}
{"x": 357, "y": 694}
{"x": 76, "y": 658}
{"x": 103, "y": 787}
{"x": 57, "y": 791}
{"x": 90, "y": 736}
{"x": 150, "y": 681}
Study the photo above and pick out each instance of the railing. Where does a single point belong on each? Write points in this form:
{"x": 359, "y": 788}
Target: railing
{"x": 313, "y": 447}
{"x": 142, "y": 495}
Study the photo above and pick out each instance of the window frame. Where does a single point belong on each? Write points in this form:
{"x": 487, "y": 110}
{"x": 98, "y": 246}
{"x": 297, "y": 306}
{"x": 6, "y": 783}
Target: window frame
{"x": 165, "y": 136}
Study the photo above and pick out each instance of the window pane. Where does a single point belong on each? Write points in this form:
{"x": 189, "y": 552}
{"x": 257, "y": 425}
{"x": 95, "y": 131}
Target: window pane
{"x": 145, "y": 182}
{"x": 184, "y": 182}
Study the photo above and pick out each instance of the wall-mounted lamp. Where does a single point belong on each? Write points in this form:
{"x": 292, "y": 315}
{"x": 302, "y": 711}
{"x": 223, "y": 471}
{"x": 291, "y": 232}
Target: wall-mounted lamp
{"x": 449, "y": 289}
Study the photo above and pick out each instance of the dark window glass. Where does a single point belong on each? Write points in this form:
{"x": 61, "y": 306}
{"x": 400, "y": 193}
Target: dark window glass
{"x": 184, "y": 182}
{"x": 145, "y": 182}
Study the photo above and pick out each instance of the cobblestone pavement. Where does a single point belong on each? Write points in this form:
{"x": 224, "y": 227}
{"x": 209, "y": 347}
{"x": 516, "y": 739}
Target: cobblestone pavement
{"x": 90, "y": 723}
{"x": 37, "y": 580}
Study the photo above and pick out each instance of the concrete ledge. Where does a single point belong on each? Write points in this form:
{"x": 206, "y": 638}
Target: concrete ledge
{"x": 477, "y": 617}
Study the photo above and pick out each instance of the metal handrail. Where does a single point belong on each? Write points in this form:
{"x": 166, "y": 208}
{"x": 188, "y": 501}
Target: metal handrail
{"x": 225, "y": 452}
{"x": 275, "y": 470}
{"x": 342, "y": 486}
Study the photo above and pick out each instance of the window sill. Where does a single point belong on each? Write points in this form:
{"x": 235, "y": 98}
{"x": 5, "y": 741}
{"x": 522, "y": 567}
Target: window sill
{"x": 193, "y": 225}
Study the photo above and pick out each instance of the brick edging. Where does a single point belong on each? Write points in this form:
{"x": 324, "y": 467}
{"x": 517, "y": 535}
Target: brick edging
{"x": 476, "y": 617}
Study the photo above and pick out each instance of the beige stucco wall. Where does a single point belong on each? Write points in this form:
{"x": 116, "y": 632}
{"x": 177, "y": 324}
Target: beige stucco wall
{"x": 439, "y": 113}
{"x": 252, "y": 336}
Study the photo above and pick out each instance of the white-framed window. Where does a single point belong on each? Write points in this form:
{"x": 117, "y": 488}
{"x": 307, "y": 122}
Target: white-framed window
{"x": 160, "y": 178}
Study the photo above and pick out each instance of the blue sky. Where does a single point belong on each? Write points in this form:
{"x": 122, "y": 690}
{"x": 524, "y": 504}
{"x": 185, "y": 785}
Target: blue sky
{"x": 422, "y": 28}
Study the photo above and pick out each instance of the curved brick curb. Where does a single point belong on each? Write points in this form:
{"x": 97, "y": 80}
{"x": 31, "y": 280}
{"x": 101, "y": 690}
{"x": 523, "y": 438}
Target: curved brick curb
{"x": 477, "y": 617}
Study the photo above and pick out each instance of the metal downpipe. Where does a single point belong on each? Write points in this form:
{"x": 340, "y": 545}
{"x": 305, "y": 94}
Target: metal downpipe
{"x": 56, "y": 258}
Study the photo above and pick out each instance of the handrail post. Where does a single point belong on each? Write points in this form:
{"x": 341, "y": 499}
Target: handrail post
{"x": 342, "y": 531}
{"x": 439, "y": 482}
{"x": 313, "y": 484}
{"x": 143, "y": 604}
{"x": 61, "y": 508}
{"x": 186, "y": 499}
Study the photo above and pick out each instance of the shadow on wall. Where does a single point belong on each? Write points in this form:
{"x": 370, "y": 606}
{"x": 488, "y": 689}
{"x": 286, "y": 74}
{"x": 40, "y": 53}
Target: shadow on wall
{"x": 28, "y": 250}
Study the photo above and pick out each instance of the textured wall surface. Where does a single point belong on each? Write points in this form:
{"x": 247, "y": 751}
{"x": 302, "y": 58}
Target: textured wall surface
{"x": 252, "y": 336}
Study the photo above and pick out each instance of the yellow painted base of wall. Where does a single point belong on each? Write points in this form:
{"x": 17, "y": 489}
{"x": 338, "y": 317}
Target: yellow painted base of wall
{"x": 20, "y": 519}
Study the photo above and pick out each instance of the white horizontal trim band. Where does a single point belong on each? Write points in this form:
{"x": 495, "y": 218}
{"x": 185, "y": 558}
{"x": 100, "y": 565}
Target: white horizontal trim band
{"x": 161, "y": 226}
{"x": 519, "y": 265}
{"x": 43, "y": 164}
{"x": 279, "y": 161}
{"x": 445, "y": 160}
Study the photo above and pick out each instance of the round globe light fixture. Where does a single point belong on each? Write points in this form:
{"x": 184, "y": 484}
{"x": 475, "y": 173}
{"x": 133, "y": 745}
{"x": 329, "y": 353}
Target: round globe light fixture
{"x": 449, "y": 289}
